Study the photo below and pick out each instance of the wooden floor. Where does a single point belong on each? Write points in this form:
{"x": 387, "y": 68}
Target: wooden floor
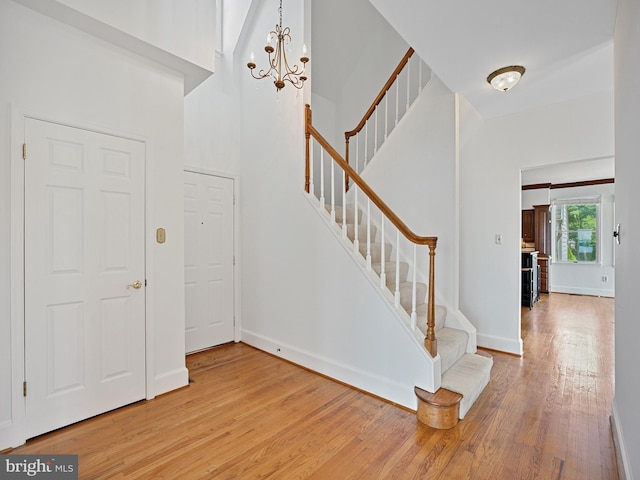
{"x": 250, "y": 415}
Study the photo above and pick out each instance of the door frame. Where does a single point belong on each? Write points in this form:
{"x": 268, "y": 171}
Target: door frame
{"x": 17, "y": 431}
{"x": 237, "y": 267}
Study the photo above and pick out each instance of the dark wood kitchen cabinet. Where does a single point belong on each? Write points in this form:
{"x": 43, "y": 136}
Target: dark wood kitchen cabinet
{"x": 528, "y": 226}
{"x": 542, "y": 239}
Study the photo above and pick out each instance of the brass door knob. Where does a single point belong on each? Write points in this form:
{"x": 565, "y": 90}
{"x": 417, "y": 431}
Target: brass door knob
{"x": 137, "y": 284}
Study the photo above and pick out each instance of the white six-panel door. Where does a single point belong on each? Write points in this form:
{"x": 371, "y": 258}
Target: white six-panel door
{"x": 84, "y": 253}
{"x": 208, "y": 259}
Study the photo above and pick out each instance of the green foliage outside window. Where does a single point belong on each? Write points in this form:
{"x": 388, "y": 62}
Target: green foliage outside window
{"x": 576, "y": 234}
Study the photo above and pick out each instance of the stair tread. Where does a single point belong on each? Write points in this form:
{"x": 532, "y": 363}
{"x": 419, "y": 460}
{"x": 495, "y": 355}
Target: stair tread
{"x": 468, "y": 377}
{"x": 452, "y": 346}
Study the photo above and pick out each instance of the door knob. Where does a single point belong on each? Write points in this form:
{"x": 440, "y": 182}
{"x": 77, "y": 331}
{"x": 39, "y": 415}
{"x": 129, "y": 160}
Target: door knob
{"x": 137, "y": 284}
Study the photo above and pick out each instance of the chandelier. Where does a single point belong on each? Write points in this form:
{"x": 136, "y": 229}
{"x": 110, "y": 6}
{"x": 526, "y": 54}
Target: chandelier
{"x": 279, "y": 68}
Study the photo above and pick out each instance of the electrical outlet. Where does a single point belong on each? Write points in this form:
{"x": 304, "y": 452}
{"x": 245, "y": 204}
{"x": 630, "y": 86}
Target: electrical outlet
{"x": 605, "y": 278}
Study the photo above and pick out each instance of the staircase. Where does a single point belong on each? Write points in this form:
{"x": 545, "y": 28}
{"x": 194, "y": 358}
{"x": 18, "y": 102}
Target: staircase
{"x": 366, "y": 227}
{"x": 462, "y": 372}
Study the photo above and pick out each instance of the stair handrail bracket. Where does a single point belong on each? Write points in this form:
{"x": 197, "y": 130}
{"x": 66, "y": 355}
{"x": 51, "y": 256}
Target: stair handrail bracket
{"x": 430, "y": 341}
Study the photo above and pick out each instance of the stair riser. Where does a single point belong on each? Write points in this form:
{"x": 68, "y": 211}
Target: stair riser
{"x": 390, "y": 273}
{"x": 351, "y": 214}
{"x": 406, "y": 295}
{"x": 362, "y": 232}
{"x": 376, "y": 251}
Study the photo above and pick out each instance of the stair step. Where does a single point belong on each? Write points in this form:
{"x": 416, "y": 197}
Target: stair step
{"x": 351, "y": 214}
{"x": 440, "y": 313}
{"x": 390, "y": 273}
{"x": 376, "y": 251}
{"x": 362, "y": 232}
{"x": 440, "y": 409}
{"x": 452, "y": 346}
{"x": 468, "y": 377}
{"x": 406, "y": 295}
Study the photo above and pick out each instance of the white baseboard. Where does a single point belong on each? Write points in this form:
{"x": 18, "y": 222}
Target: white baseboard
{"x": 594, "y": 292}
{"x": 378, "y": 386}
{"x": 168, "y": 381}
{"x": 501, "y": 344}
{"x": 624, "y": 468}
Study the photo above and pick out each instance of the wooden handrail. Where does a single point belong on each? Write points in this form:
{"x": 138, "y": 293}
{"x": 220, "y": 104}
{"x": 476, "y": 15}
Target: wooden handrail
{"x": 380, "y": 96}
{"x": 366, "y": 189}
{"x": 430, "y": 341}
{"x": 372, "y": 108}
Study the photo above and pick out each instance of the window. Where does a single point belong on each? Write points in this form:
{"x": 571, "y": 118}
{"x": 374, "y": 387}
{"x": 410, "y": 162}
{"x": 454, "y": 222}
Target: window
{"x": 576, "y": 230}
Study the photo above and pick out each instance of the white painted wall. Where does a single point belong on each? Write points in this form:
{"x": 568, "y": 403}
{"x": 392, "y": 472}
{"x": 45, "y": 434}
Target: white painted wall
{"x": 303, "y": 298}
{"x": 539, "y": 196}
{"x": 212, "y": 122}
{"x": 184, "y": 29}
{"x": 179, "y": 36}
{"x": 354, "y": 51}
{"x": 491, "y": 159}
{"x": 627, "y": 119}
{"x": 414, "y": 173}
{"x": 63, "y": 74}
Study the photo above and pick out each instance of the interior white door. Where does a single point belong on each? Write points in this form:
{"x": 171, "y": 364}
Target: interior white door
{"x": 208, "y": 260}
{"x": 84, "y": 253}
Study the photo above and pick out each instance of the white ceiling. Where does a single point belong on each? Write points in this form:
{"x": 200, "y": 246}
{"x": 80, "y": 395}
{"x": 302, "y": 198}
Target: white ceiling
{"x": 565, "y": 45}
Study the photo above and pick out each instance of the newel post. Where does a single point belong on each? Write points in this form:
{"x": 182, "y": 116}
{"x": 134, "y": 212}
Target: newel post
{"x": 307, "y": 135}
{"x": 430, "y": 341}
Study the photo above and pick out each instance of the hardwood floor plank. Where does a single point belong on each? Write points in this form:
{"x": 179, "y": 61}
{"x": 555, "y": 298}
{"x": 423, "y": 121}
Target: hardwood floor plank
{"x": 250, "y": 415}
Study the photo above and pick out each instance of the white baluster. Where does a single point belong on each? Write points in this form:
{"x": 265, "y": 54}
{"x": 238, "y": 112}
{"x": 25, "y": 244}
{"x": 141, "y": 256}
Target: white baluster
{"x": 356, "y": 242}
{"x": 419, "y": 75}
{"x": 397, "y": 292}
{"x": 386, "y": 115}
{"x": 366, "y": 145}
{"x": 321, "y": 177}
{"x": 383, "y": 275}
{"x": 375, "y": 135}
{"x": 333, "y": 192}
{"x": 368, "y": 257}
{"x": 414, "y": 315}
{"x": 344, "y": 206}
{"x": 397, "y": 99}
{"x": 312, "y": 188}
{"x": 357, "y": 156}
{"x": 408, "y": 84}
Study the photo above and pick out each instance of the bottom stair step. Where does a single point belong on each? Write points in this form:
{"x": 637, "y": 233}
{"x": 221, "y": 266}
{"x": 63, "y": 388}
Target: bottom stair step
{"x": 440, "y": 409}
{"x": 468, "y": 377}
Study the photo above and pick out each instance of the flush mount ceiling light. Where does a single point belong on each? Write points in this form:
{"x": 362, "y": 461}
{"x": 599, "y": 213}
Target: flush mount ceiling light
{"x": 505, "y": 78}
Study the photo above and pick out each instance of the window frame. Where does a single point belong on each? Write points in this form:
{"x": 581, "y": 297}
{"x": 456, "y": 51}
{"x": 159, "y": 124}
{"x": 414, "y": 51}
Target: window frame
{"x": 588, "y": 200}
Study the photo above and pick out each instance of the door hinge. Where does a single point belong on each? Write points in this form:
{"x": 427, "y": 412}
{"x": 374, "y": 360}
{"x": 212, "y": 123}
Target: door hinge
{"x": 145, "y": 282}
{"x": 24, "y": 388}
{"x": 234, "y": 260}
{"x": 24, "y": 151}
